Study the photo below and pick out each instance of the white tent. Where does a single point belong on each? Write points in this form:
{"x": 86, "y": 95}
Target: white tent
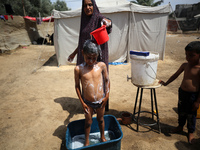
{"x": 134, "y": 27}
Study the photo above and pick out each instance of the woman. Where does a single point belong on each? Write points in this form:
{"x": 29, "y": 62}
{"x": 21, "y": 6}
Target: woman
{"x": 91, "y": 19}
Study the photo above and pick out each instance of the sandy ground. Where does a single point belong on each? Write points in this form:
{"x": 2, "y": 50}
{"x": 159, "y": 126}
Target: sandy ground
{"x": 38, "y": 100}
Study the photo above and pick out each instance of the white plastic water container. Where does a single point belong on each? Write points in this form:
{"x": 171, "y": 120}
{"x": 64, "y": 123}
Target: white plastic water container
{"x": 143, "y": 68}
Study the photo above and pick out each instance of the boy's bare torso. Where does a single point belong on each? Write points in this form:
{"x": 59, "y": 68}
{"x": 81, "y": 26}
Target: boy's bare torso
{"x": 191, "y": 79}
{"x": 92, "y": 82}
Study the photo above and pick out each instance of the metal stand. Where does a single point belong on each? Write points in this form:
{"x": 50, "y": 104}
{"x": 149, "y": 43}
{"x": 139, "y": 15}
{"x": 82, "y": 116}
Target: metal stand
{"x": 153, "y": 99}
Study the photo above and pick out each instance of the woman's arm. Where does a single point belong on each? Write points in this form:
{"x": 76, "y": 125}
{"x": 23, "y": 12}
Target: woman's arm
{"x": 108, "y": 23}
{"x": 72, "y": 55}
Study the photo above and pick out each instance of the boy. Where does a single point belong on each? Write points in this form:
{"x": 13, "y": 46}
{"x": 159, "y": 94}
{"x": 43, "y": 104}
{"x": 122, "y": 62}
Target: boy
{"x": 189, "y": 97}
{"x": 92, "y": 75}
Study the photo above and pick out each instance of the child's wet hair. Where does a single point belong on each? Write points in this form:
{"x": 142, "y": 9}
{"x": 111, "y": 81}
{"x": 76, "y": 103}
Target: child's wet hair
{"x": 193, "y": 46}
{"x": 91, "y": 46}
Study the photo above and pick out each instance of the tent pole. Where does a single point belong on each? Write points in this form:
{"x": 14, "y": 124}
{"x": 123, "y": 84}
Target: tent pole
{"x": 23, "y": 8}
{"x": 47, "y": 27}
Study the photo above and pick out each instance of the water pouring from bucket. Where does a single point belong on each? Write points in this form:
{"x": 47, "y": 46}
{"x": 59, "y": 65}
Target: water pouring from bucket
{"x": 100, "y": 35}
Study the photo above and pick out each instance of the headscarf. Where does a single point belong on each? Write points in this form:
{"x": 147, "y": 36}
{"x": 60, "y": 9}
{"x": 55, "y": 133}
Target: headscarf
{"x": 89, "y": 24}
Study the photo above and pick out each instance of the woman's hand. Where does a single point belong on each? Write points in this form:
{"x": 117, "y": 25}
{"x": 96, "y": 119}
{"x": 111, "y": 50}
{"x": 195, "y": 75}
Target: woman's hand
{"x": 106, "y": 22}
{"x": 71, "y": 57}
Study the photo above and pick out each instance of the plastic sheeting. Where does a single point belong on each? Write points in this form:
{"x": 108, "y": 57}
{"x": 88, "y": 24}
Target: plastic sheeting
{"x": 134, "y": 27}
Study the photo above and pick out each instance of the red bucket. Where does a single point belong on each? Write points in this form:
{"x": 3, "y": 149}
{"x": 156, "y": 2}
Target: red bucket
{"x": 100, "y": 35}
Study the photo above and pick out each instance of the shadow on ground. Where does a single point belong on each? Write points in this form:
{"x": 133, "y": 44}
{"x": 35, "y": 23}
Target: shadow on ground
{"x": 73, "y": 107}
{"x": 147, "y": 124}
{"x": 182, "y": 145}
{"x": 52, "y": 61}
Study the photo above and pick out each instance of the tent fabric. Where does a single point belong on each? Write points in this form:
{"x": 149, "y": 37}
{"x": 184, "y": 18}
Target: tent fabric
{"x": 134, "y": 27}
{"x": 148, "y": 9}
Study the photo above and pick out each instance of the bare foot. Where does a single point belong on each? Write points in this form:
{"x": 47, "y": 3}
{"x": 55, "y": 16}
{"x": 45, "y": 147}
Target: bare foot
{"x": 103, "y": 139}
{"x": 191, "y": 138}
{"x": 177, "y": 129}
{"x": 87, "y": 143}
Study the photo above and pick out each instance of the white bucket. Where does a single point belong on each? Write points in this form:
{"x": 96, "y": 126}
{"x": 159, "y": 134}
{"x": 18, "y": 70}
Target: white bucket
{"x": 144, "y": 69}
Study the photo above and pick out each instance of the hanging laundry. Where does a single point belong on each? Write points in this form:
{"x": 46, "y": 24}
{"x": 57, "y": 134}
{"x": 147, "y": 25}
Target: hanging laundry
{"x": 6, "y": 17}
{"x": 2, "y": 18}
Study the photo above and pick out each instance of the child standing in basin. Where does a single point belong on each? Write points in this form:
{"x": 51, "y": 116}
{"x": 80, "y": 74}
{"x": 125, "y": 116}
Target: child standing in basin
{"x": 189, "y": 97}
{"x": 91, "y": 75}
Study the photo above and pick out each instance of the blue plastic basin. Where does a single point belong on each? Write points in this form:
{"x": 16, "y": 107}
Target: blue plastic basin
{"x": 111, "y": 124}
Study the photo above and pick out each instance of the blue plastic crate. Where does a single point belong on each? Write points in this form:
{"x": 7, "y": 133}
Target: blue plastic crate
{"x": 111, "y": 125}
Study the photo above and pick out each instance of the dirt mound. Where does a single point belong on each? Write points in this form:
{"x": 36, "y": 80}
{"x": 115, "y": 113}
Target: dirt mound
{"x": 22, "y": 32}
